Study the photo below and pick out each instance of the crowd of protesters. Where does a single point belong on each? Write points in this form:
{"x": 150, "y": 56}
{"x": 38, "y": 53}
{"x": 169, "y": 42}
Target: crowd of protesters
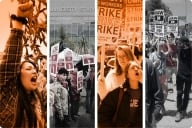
{"x": 65, "y": 98}
{"x": 119, "y": 89}
{"x": 171, "y": 56}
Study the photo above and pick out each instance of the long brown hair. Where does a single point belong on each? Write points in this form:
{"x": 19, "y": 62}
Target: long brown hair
{"x": 129, "y": 54}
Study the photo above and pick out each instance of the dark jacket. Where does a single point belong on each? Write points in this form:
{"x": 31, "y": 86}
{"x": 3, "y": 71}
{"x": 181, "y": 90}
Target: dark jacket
{"x": 128, "y": 116}
{"x": 185, "y": 61}
{"x": 154, "y": 94}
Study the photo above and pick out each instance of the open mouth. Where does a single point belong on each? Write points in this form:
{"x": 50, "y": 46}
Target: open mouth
{"x": 137, "y": 74}
{"x": 34, "y": 79}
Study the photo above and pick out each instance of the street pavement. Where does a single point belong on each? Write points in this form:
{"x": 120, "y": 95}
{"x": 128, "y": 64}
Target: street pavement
{"x": 168, "y": 120}
{"x": 82, "y": 109}
{"x": 83, "y": 116}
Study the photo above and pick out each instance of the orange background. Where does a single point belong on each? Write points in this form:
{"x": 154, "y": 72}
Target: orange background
{"x": 6, "y": 7}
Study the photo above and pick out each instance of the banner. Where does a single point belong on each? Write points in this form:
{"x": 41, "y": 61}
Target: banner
{"x": 159, "y": 16}
{"x": 109, "y": 18}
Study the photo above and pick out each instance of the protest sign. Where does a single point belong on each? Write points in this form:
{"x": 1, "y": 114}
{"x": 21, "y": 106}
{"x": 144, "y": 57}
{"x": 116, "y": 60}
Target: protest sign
{"x": 88, "y": 59}
{"x": 159, "y": 30}
{"x": 60, "y": 64}
{"x": 79, "y": 80}
{"x": 68, "y": 58}
{"x": 54, "y": 57}
{"x": 173, "y": 25}
{"x": 109, "y": 18}
{"x": 152, "y": 23}
{"x": 133, "y": 19}
{"x": 159, "y": 16}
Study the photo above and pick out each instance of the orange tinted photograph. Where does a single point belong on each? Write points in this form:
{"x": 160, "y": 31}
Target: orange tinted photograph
{"x": 119, "y": 67}
{"x": 23, "y": 63}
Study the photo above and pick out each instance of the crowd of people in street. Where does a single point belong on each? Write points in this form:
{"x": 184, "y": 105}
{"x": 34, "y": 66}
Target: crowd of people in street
{"x": 65, "y": 99}
{"x": 171, "y": 57}
{"x": 121, "y": 83}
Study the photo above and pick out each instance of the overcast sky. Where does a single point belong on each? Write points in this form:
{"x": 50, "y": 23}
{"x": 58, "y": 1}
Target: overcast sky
{"x": 180, "y": 8}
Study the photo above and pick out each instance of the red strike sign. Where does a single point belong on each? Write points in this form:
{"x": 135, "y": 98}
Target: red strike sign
{"x": 88, "y": 59}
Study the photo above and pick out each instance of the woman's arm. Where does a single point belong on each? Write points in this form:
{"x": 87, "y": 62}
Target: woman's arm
{"x": 13, "y": 50}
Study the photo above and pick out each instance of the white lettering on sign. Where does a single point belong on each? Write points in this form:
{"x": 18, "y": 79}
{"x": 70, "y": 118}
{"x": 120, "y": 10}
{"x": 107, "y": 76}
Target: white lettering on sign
{"x": 119, "y": 1}
{"x": 114, "y": 5}
{"x": 134, "y": 1}
{"x": 159, "y": 16}
{"x": 173, "y": 20}
{"x": 111, "y": 3}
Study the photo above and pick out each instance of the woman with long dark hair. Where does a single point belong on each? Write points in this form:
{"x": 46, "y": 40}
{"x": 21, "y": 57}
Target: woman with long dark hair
{"x": 21, "y": 105}
{"x": 29, "y": 108}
